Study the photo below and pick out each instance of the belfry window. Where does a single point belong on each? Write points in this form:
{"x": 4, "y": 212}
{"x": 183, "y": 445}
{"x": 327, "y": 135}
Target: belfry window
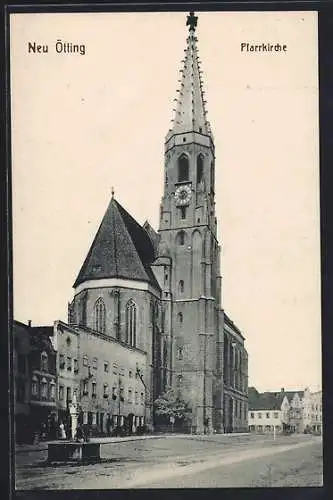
{"x": 200, "y": 168}
{"x": 181, "y": 286}
{"x": 131, "y": 323}
{"x": 183, "y": 168}
{"x": 100, "y": 315}
{"x": 212, "y": 176}
{"x": 183, "y": 212}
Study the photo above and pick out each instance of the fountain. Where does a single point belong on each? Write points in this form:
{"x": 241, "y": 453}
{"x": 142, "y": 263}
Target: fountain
{"x": 73, "y": 449}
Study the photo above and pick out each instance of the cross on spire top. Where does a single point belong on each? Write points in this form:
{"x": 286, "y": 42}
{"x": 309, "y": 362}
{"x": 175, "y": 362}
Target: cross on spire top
{"x": 192, "y": 21}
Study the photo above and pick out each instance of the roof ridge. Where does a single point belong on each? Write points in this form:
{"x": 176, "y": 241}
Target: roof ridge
{"x": 115, "y": 240}
{"x": 132, "y": 220}
{"x": 121, "y": 248}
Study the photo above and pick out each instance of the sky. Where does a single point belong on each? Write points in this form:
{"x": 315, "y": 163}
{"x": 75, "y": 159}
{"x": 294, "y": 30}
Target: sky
{"x": 82, "y": 124}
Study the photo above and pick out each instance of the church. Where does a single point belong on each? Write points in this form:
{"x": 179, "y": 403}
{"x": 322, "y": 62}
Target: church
{"x": 146, "y": 313}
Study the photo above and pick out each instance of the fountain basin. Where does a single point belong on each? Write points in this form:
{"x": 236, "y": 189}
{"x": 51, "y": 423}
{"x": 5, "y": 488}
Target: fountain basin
{"x": 67, "y": 452}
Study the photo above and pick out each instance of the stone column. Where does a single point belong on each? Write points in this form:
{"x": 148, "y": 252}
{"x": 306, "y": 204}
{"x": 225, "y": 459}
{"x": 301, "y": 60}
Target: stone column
{"x": 74, "y": 413}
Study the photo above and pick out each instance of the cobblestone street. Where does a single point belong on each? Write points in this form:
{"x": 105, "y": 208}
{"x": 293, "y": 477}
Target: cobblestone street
{"x": 182, "y": 461}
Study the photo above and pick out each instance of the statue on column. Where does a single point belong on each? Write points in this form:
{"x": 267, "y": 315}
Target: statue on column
{"x": 74, "y": 413}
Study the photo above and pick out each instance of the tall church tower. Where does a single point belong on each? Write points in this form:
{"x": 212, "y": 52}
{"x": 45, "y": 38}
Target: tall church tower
{"x": 191, "y": 298}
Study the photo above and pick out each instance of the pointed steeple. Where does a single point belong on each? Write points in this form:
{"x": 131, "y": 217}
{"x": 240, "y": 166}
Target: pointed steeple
{"x": 190, "y": 111}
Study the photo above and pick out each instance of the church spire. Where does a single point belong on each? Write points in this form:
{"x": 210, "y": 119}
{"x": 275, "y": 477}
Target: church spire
{"x": 190, "y": 112}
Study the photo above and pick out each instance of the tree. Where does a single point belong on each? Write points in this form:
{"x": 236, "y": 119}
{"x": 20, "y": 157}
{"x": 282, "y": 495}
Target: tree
{"x": 171, "y": 406}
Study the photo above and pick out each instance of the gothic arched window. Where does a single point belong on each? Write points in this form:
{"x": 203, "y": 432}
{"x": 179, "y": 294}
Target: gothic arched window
{"x": 180, "y": 317}
{"x": 180, "y": 238}
{"x": 212, "y": 176}
{"x": 200, "y": 168}
{"x": 181, "y": 286}
{"x": 131, "y": 323}
{"x": 100, "y": 315}
{"x": 183, "y": 168}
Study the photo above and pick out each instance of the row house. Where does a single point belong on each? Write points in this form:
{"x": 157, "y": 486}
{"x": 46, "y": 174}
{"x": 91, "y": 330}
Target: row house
{"x": 312, "y": 411}
{"x": 291, "y": 410}
{"x": 265, "y": 412}
{"x": 105, "y": 375}
{"x": 316, "y": 424}
{"x": 34, "y": 369}
{"x": 21, "y": 379}
{"x": 43, "y": 407}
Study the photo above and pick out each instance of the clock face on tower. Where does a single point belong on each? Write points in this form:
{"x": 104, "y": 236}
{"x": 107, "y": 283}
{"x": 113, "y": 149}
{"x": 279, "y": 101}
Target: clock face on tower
{"x": 183, "y": 195}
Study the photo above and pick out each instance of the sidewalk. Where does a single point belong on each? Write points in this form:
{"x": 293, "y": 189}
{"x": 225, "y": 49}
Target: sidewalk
{"x": 42, "y": 445}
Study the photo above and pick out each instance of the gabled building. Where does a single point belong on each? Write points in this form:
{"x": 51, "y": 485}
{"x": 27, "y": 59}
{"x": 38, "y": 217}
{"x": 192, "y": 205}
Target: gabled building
{"x": 43, "y": 409}
{"x": 266, "y": 412}
{"x": 286, "y": 408}
{"x": 34, "y": 359}
{"x": 22, "y": 380}
{"x": 316, "y": 424}
{"x": 312, "y": 411}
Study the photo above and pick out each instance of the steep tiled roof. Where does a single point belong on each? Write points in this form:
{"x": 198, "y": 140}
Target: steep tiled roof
{"x": 269, "y": 400}
{"x": 121, "y": 249}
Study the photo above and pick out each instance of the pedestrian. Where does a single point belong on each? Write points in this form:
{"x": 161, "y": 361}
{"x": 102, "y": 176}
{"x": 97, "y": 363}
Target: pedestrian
{"x": 62, "y": 431}
{"x": 85, "y": 433}
{"x": 43, "y": 430}
{"x": 79, "y": 435}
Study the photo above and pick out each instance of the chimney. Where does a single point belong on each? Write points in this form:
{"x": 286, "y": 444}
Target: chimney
{"x": 282, "y": 389}
{"x": 29, "y": 323}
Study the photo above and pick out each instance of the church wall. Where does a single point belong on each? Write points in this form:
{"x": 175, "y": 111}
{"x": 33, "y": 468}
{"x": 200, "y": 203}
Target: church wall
{"x": 235, "y": 380}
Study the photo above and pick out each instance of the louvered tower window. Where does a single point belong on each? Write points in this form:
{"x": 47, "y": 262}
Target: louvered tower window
{"x": 200, "y": 165}
{"x": 183, "y": 168}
